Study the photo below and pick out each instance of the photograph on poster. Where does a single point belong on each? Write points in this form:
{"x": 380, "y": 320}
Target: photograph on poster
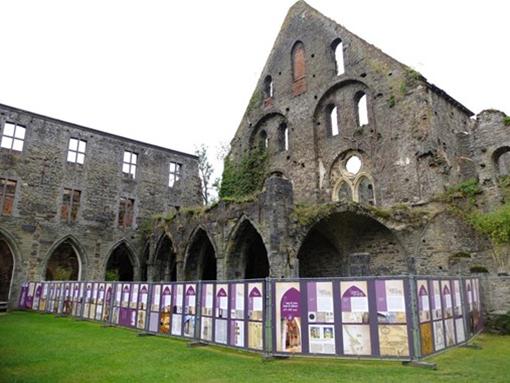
{"x": 156, "y": 297}
{"x": 354, "y": 301}
{"x": 288, "y": 317}
{"x": 93, "y": 298}
{"x": 447, "y": 299}
{"x": 189, "y": 325}
{"x": 449, "y": 332}
{"x": 220, "y": 331}
{"x": 320, "y": 302}
{"x": 176, "y": 324}
{"x": 165, "y": 306}
{"x": 255, "y": 302}
{"x": 44, "y": 297}
{"x": 207, "y": 303}
{"x": 237, "y": 333}
{"x": 100, "y": 301}
{"x": 221, "y": 301}
{"x": 177, "y": 303}
{"x": 190, "y": 300}
{"x": 391, "y": 305}
{"x": 393, "y": 340}
{"x": 437, "y": 312}
{"x": 426, "y": 338}
{"x": 439, "y": 341}
{"x": 237, "y": 306}
{"x": 107, "y": 302}
{"x": 255, "y": 336}
{"x": 423, "y": 300}
{"x": 321, "y": 339}
{"x": 143, "y": 296}
{"x": 459, "y": 329}
{"x": 356, "y": 339}
{"x": 206, "y": 328}
{"x": 457, "y": 303}
{"x": 134, "y": 296}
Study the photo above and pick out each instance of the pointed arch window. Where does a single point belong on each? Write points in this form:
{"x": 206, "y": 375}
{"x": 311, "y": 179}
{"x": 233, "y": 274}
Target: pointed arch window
{"x": 333, "y": 120}
{"x": 283, "y": 137}
{"x": 268, "y": 87}
{"x": 362, "y": 109}
{"x": 344, "y": 192}
{"x": 366, "y": 191}
{"x": 338, "y": 52}
{"x": 298, "y": 69}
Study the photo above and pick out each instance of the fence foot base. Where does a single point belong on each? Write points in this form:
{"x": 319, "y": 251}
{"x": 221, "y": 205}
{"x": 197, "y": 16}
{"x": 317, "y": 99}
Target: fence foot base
{"x": 145, "y": 334}
{"x": 417, "y": 363}
{"x": 197, "y": 344}
{"x": 107, "y": 325}
{"x": 473, "y": 346}
{"x": 269, "y": 357}
{"x": 60, "y": 316}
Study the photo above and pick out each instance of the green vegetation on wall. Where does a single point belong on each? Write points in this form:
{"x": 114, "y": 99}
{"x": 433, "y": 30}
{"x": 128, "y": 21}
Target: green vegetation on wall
{"x": 245, "y": 177}
{"x": 506, "y": 120}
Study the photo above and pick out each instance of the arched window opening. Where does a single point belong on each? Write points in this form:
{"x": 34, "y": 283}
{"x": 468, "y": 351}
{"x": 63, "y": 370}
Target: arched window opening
{"x": 366, "y": 191}
{"x": 502, "y": 161}
{"x": 200, "y": 259}
{"x": 338, "y": 52}
{"x": 333, "y": 120}
{"x": 6, "y": 267}
{"x": 298, "y": 68}
{"x": 248, "y": 256}
{"x": 344, "y": 192}
{"x": 362, "y": 110}
{"x": 283, "y": 137}
{"x": 263, "y": 140}
{"x": 119, "y": 266}
{"x": 63, "y": 264}
{"x": 268, "y": 87}
{"x": 165, "y": 261}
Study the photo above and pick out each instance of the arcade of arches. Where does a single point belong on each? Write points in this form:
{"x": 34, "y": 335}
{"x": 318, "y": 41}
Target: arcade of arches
{"x": 63, "y": 263}
{"x": 348, "y": 244}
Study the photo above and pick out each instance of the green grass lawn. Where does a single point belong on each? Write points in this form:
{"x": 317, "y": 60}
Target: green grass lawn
{"x": 41, "y": 348}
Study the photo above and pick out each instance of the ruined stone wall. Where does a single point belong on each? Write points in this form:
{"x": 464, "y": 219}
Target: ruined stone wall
{"x": 42, "y": 171}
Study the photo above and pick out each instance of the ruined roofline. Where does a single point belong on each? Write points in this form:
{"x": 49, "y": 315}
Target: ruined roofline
{"x": 95, "y": 131}
{"x": 431, "y": 86}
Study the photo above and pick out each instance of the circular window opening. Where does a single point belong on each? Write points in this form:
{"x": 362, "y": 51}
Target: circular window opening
{"x": 353, "y": 165}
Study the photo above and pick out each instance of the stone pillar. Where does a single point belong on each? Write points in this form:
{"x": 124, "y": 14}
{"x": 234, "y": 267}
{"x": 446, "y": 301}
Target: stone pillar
{"x": 277, "y": 204}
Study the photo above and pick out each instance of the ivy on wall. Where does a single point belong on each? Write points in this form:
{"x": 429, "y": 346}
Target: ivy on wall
{"x": 245, "y": 177}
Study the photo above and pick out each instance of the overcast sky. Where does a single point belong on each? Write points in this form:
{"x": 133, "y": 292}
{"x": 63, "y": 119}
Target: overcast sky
{"x": 180, "y": 73}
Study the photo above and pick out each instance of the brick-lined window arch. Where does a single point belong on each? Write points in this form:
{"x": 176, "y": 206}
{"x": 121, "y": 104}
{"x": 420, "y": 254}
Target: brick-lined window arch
{"x": 298, "y": 68}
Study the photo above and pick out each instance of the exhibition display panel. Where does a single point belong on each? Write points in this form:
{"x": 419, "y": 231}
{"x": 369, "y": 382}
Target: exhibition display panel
{"x": 394, "y": 317}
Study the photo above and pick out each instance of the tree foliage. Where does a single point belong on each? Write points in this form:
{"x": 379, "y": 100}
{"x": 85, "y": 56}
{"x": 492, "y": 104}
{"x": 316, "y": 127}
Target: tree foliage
{"x": 205, "y": 171}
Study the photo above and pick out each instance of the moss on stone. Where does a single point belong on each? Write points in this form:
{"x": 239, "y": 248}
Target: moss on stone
{"x": 506, "y": 120}
{"x": 305, "y": 214}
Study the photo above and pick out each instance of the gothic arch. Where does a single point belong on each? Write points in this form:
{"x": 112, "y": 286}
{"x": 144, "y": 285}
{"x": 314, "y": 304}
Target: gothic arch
{"x": 14, "y": 253}
{"x": 350, "y": 242}
{"x": 129, "y": 252}
{"x": 247, "y": 255}
{"x": 200, "y": 260}
{"x": 79, "y": 251}
{"x": 164, "y": 262}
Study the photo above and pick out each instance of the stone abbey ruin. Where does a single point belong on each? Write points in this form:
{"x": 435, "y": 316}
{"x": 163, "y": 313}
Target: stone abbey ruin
{"x": 346, "y": 163}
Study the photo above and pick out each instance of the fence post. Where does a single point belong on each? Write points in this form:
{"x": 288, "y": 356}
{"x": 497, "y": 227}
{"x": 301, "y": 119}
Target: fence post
{"x": 415, "y": 321}
{"x": 268, "y": 314}
{"x": 198, "y": 313}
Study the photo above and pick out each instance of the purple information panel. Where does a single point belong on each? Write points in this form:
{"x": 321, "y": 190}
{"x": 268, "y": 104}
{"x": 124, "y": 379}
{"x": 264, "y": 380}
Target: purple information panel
{"x": 190, "y": 310}
{"x": 22, "y": 302}
{"x": 143, "y": 298}
{"x": 177, "y": 309}
{"x": 356, "y": 327}
{"x": 37, "y": 296}
{"x": 207, "y": 307}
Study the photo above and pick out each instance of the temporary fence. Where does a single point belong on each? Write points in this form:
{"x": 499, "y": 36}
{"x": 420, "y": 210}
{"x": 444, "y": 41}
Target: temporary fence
{"x": 399, "y": 317}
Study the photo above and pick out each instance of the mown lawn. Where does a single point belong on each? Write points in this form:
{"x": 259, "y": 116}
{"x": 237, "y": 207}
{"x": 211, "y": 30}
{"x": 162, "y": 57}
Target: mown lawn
{"x": 41, "y": 348}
